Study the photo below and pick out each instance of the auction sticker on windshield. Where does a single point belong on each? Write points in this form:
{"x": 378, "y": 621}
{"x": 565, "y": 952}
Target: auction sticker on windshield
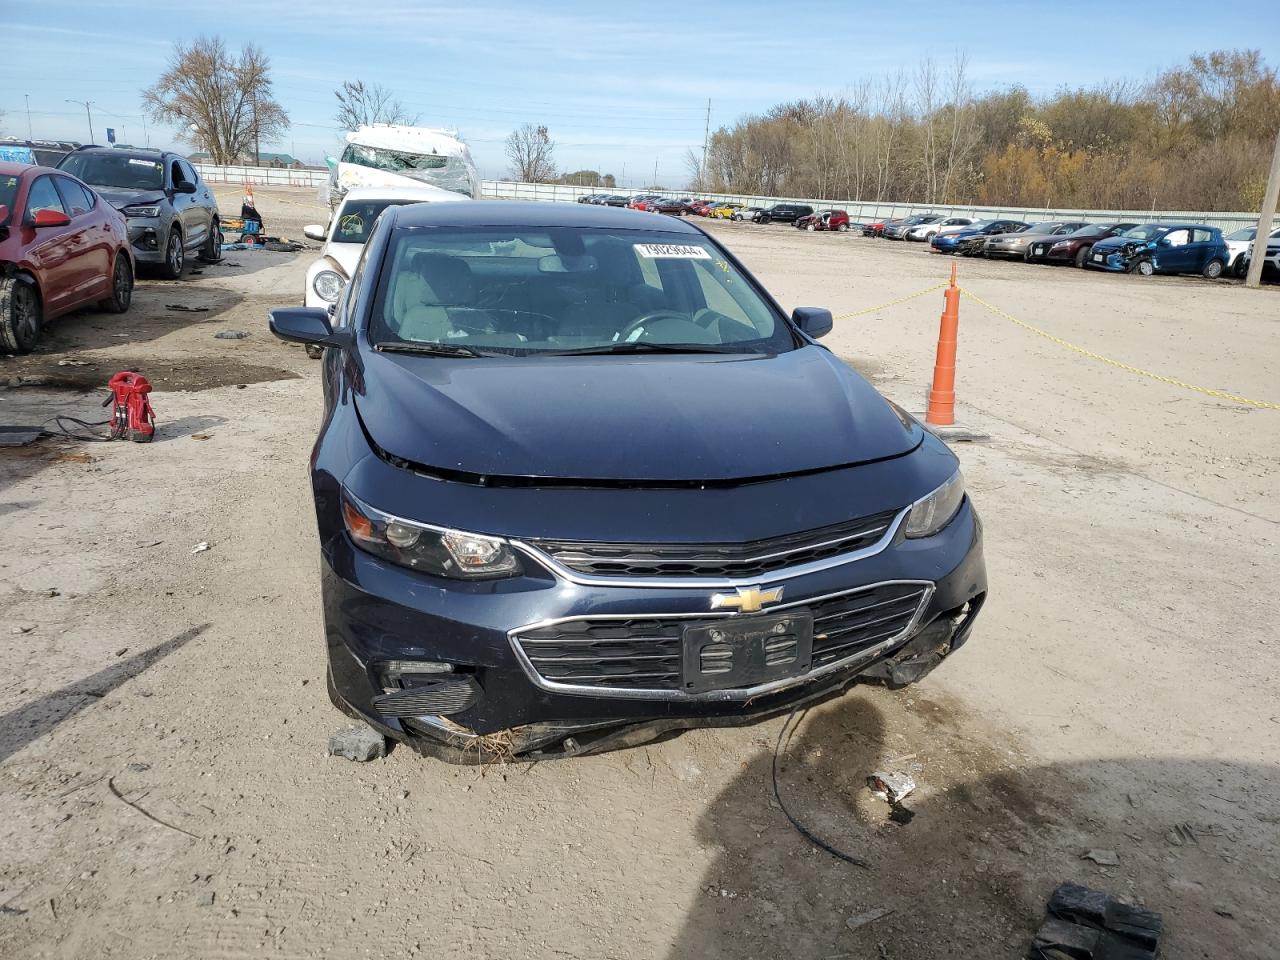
{"x": 669, "y": 251}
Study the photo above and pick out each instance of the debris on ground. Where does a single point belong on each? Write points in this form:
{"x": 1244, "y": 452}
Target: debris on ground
{"x": 361, "y": 744}
{"x": 1103, "y": 858}
{"x": 230, "y": 335}
{"x": 182, "y": 308}
{"x": 200, "y": 547}
{"x": 891, "y": 787}
{"x": 1084, "y": 924}
{"x": 870, "y": 916}
{"x": 74, "y": 363}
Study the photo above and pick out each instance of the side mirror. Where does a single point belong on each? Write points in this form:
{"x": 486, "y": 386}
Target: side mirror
{"x": 306, "y": 325}
{"x": 313, "y": 231}
{"x": 50, "y": 218}
{"x": 184, "y": 186}
{"x": 814, "y": 321}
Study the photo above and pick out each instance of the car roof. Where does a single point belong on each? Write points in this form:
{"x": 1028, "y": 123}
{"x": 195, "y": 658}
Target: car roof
{"x": 150, "y": 153}
{"x": 10, "y": 169}
{"x": 532, "y": 213}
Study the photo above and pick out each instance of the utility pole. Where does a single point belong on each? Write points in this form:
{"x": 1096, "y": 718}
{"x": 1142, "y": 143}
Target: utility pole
{"x": 30, "y": 135}
{"x": 87, "y": 113}
{"x": 706, "y": 137}
{"x": 655, "y": 172}
{"x": 1259, "y": 255}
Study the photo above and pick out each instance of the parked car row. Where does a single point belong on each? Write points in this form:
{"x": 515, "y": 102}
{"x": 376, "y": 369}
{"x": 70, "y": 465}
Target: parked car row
{"x": 73, "y": 235}
{"x": 1115, "y": 247}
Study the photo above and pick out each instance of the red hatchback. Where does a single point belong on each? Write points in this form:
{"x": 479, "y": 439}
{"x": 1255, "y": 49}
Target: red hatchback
{"x": 61, "y": 247}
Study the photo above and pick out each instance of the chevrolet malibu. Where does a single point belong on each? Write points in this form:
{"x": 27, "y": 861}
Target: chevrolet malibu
{"x": 581, "y": 482}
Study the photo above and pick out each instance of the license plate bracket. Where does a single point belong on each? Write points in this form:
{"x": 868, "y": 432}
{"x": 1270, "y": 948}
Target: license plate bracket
{"x": 739, "y": 652}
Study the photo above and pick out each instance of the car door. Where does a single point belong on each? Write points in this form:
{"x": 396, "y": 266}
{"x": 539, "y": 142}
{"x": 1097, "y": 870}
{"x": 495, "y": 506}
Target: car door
{"x": 1203, "y": 248}
{"x": 202, "y": 203}
{"x": 90, "y": 239}
{"x": 187, "y": 206}
{"x": 1175, "y": 252}
{"x": 49, "y": 249}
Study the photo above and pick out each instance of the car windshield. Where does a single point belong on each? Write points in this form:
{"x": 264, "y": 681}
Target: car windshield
{"x": 1046, "y": 227}
{"x": 1144, "y": 232}
{"x": 1244, "y": 233}
{"x": 447, "y": 172}
{"x": 356, "y": 219}
{"x": 529, "y": 290}
{"x": 115, "y": 170}
{"x": 8, "y": 190}
{"x": 980, "y": 224}
{"x": 1091, "y": 230}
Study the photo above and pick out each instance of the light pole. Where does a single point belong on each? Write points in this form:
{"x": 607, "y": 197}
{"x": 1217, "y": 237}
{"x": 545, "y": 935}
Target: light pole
{"x": 27, "y": 97}
{"x": 87, "y": 113}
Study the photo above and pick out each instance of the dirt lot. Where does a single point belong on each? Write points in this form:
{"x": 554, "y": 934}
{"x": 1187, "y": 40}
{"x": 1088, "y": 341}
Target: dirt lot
{"x": 1119, "y": 692}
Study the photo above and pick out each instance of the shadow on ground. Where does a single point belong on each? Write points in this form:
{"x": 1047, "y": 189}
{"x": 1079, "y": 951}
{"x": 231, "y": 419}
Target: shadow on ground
{"x": 28, "y": 723}
{"x": 990, "y": 840}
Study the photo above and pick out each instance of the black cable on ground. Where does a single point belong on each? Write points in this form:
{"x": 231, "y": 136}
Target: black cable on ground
{"x": 60, "y": 430}
{"x": 800, "y": 827}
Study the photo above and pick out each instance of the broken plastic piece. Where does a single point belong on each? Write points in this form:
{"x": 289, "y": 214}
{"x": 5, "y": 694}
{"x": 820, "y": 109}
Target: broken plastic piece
{"x": 1103, "y": 858}
{"x": 1086, "y": 924}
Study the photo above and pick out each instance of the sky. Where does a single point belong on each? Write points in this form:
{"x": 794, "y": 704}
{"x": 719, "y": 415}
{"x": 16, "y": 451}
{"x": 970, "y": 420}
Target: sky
{"x": 623, "y": 89}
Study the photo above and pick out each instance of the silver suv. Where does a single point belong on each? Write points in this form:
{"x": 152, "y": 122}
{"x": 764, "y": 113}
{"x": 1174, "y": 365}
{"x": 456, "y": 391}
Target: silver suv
{"x": 170, "y": 211}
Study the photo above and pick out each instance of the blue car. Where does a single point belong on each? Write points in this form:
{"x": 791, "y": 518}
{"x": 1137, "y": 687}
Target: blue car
{"x": 971, "y": 240}
{"x": 1163, "y": 248}
{"x": 581, "y": 482}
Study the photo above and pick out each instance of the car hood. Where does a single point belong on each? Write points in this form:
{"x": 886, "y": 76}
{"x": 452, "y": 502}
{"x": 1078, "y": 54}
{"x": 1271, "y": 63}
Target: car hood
{"x": 121, "y": 197}
{"x": 345, "y": 255}
{"x": 660, "y": 418}
{"x": 1112, "y": 244}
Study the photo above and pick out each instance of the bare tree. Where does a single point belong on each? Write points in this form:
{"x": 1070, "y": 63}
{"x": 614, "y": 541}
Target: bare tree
{"x": 697, "y": 176}
{"x": 361, "y": 104}
{"x": 531, "y": 152}
{"x": 220, "y": 102}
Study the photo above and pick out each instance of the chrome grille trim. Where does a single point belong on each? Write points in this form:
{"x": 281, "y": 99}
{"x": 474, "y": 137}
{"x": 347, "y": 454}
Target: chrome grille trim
{"x": 704, "y": 583}
{"x": 816, "y": 673}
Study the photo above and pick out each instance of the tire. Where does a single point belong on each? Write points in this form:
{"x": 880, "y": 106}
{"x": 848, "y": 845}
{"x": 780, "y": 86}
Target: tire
{"x": 1212, "y": 270}
{"x": 121, "y": 286}
{"x": 314, "y": 350}
{"x": 764, "y": 220}
{"x": 811, "y": 228}
{"x": 211, "y": 252}
{"x": 175, "y": 255}
{"x": 842, "y": 228}
{"x": 1144, "y": 267}
{"x": 21, "y": 315}
{"x": 1082, "y": 256}
{"x": 1238, "y": 269}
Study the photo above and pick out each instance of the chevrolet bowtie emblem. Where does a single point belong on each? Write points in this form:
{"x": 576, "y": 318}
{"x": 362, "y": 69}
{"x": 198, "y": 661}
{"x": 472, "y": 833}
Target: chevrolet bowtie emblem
{"x": 746, "y": 601}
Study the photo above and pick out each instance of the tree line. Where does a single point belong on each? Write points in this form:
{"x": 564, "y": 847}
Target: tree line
{"x": 1198, "y": 136}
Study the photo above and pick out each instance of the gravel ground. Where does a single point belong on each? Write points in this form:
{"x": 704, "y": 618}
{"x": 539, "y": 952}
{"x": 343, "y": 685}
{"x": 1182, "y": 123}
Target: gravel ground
{"x": 163, "y": 785}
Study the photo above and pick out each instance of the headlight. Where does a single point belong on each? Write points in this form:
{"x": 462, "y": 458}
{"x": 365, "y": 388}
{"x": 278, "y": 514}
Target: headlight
{"x": 435, "y": 550}
{"x": 328, "y": 285}
{"x": 1059, "y": 245}
{"x": 151, "y": 210}
{"x": 930, "y": 514}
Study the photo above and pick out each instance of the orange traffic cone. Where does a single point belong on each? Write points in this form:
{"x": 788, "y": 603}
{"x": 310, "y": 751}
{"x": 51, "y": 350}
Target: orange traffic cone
{"x": 940, "y": 416}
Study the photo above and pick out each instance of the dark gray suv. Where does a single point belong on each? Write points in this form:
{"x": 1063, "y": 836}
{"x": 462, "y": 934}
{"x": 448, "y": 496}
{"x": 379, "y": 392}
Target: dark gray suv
{"x": 170, "y": 211}
{"x": 783, "y": 213}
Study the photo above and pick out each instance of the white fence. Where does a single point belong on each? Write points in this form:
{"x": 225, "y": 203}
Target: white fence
{"x": 263, "y": 176}
{"x": 878, "y": 210}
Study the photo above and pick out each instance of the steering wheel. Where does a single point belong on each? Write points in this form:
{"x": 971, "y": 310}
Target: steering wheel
{"x": 639, "y": 322}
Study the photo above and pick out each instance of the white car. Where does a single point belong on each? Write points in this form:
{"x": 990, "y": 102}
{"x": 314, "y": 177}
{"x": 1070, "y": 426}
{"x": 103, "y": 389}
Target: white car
{"x": 1239, "y": 243}
{"x": 927, "y": 231}
{"x": 347, "y": 232}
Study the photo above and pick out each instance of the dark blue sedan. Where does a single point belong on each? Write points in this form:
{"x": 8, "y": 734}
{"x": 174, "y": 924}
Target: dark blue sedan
{"x": 971, "y": 239}
{"x": 1163, "y": 248}
{"x": 581, "y": 481}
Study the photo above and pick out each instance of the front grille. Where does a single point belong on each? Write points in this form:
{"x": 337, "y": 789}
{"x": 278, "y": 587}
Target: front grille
{"x": 731, "y": 560}
{"x": 645, "y": 653}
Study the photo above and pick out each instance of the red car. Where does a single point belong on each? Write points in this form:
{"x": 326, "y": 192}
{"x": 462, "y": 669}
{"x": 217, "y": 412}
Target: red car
{"x": 826, "y": 220}
{"x": 61, "y": 247}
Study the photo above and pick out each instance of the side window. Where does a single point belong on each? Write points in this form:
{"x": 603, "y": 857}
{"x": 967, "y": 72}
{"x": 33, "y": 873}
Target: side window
{"x": 175, "y": 172}
{"x": 44, "y": 196}
{"x": 74, "y": 197}
{"x": 188, "y": 174}
{"x": 1177, "y": 238}
{"x": 346, "y": 306}
{"x": 1201, "y": 236}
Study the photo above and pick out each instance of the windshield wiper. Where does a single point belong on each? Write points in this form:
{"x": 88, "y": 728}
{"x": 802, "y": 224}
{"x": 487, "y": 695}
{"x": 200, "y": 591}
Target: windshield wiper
{"x": 434, "y": 349}
{"x": 637, "y": 347}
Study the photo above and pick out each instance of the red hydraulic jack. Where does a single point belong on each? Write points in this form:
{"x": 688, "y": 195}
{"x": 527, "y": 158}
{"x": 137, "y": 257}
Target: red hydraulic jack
{"x": 940, "y": 418}
{"x": 131, "y": 416}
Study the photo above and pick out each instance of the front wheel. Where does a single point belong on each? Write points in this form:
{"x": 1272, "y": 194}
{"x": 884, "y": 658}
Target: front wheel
{"x": 1212, "y": 270}
{"x": 1145, "y": 267}
{"x": 175, "y": 255}
{"x": 1239, "y": 268}
{"x": 21, "y": 316}
{"x": 1082, "y": 256}
{"x": 121, "y": 286}
{"x": 211, "y": 252}
{"x": 811, "y": 228}
{"x": 842, "y": 228}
